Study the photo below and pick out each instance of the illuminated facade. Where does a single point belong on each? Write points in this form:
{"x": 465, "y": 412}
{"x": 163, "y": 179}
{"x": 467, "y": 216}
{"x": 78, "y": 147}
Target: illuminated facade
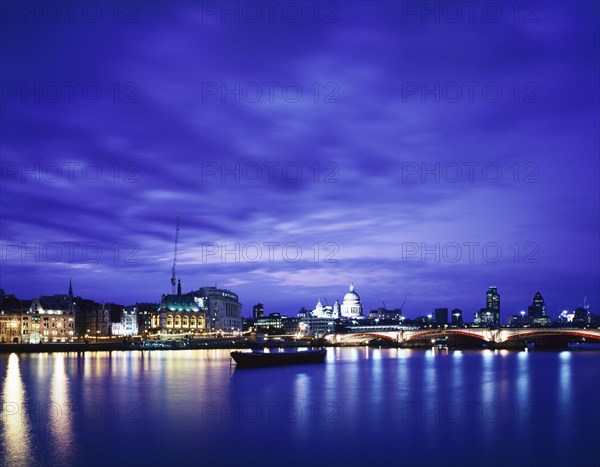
{"x": 351, "y": 307}
{"x": 537, "y": 311}
{"x": 317, "y": 327}
{"x": 179, "y": 314}
{"x": 51, "y": 318}
{"x": 208, "y": 309}
{"x": 490, "y": 315}
{"x": 10, "y": 328}
{"x": 128, "y": 326}
{"x": 326, "y": 311}
{"x": 223, "y": 309}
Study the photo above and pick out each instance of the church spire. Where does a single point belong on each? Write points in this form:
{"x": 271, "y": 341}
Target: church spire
{"x": 70, "y": 288}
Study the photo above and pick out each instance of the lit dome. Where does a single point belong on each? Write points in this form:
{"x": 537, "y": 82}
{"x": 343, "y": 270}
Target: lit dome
{"x": 351, "y": 296}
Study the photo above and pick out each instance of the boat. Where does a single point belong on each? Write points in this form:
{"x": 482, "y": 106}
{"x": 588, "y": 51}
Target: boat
{"x": 257, "y": 358}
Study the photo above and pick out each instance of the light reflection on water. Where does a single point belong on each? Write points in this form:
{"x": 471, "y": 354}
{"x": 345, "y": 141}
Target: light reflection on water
{"x": 16, "y": 439}
{"x": 435, "y": 402}
{"x": 60, "y": 412}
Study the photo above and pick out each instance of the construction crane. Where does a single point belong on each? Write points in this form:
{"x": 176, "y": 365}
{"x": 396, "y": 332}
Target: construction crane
{"x": 173, "y": 278}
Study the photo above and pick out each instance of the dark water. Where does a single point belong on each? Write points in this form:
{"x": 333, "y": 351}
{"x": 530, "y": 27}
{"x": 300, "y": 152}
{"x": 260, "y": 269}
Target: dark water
{"x": 364, "y": 407}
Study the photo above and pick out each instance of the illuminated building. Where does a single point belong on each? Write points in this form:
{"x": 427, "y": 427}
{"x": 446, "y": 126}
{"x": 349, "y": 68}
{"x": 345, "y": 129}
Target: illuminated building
{"x": 144, "y": 313}
{"x": 317, "y": 327}
{"x": 51, "y": 318}
{"x": 457, "y": 318}
{"x": 206, "y": 309}
{"x": 127, "y": 326}
{"x": 93, "y": 319}
{"x": 386, "y": 315}
{"x": 271, "y": 324}
{"x": 179, "y": 313}
{"x": 326, "y": 311}
{"x": 10, "y": 327}
{"x": 537, "y": 311}
{"x": 11, "y": 323}
{"x": 490, "y": 315}
{"x": 223, "y": 309}
{"x": 350, "y": 307}
{"x": 291, "y": 326}
{"x": 258, "y": 311}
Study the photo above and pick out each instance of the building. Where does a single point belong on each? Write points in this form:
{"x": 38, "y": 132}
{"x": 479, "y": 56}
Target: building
{"x": 179, "y": 314}
{"x": 11, "y": 322}
{"x": 291, "y": 326}
{"x": 440, "y": 316}
{"x": 580, "y": 316}
{"x": 11, "y": 327}
{"x": 326, "y": 311}
{"x": 490, "y": 315}
{"x": 537, "y": 311}
{"x": 208, "y": 309}
{"x": 223, "y": 309}
{"x": 11, "y": 304}
{"x": 144, "y": 313}
{"x": 350, "y": 307}
{"x": 271, "y": 324}
{"x": 457, "y": 317}
{"x": 127, "y": 325}
{"x": 492, "y": 301}
{"x": 98, "y": 321}
{"x": 258, "y": 311}
{"x": 384, "y": 314}
{"x": 317, "y": 327}
{"x": 50, "y": 318}
{"x": 94, "y": 319}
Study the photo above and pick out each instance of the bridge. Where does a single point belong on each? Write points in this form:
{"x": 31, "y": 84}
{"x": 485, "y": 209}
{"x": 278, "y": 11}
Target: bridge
{"x": 501, "y": 337}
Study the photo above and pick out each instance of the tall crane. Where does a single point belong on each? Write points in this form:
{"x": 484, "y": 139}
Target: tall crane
{"x": 173, "y": 278}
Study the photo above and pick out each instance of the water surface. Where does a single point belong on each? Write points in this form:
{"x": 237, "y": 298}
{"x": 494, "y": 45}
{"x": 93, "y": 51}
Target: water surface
{"x": 363, "y": 407}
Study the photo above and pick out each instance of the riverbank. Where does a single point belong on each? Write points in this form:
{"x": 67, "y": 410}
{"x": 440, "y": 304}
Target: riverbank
{"x": 216, "y": 343}
{"x": 235, "y": 343}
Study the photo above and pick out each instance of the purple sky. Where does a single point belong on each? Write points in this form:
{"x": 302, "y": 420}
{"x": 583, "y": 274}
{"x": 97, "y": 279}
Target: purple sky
{"x": 398, "y": 92}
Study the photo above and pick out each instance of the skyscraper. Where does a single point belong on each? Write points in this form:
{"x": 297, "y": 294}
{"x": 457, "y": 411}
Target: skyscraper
{"x": 537, "y": 311}
{"x": 490, "y": 315}
{"x": 258, "y": 311}
{"x": 440, "y": 316}
{"x": 492, "y": 299}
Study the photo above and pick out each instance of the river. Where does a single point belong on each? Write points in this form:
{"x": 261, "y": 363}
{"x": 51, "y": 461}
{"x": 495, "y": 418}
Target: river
{"x": 364, "y": 406}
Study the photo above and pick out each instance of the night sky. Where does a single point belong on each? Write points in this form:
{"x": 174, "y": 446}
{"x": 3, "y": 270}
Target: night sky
{"x": 349, "y": 144}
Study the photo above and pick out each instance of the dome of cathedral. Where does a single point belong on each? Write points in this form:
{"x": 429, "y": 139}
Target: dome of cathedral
{"x": 351, "y": 296}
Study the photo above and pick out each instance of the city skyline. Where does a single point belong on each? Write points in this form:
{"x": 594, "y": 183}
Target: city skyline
{"x": 247, "y": 310}
{"x": 300, "y": 233}
{"x": 420, "y": 173}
